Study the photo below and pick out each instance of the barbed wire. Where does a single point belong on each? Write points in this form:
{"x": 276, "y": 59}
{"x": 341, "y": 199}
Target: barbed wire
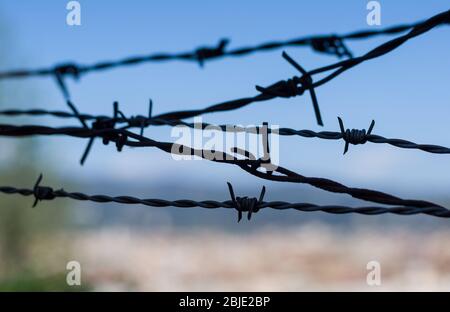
{"x": 349, "y": 136}
{"x": 249, "y": 205}
{"x": 329, "y": 44}
{"x": 295, "y": 86}
{"x": 104, "y": 128}
{"x": 250, "y": 164}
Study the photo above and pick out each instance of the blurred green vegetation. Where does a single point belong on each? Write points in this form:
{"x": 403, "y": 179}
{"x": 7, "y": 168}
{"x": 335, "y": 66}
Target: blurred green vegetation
{"x": 30, "y": 282}
{"x": 22, "y": 228}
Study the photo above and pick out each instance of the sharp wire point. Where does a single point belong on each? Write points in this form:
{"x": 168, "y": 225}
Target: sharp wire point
{"x": 372, "y": 124}
{"x": 261, "y": 196}
{"x": 76, "y": 113}
{"x": 87, "y": 151}
{"x": 150, "y": 109}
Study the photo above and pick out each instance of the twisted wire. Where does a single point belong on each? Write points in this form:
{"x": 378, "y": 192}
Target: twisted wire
{"x": 284, "y": 88}
{"x": 105, "y": 128}
{"x": 48, "y": 193}
{"x": 318, "y": 43}
{"x": 250, "y": 164}
{"x": 305, "y": 133}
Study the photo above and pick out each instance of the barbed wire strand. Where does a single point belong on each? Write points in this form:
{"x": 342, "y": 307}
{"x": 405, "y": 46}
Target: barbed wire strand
{"x": 330, "y": 44}
{"x": 284, "y": 88}
{"x": 241, "y": 204}
{"x": 298, "y": 85}
{"x": 250, "y": 163}
{"x": 353, "y": 136}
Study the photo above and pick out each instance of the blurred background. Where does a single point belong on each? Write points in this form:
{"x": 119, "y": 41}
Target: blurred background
{"x": 153, "y": 249}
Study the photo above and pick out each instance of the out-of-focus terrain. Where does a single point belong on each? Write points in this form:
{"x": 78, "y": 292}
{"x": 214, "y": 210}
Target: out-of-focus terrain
{"x": 312, "y": 257}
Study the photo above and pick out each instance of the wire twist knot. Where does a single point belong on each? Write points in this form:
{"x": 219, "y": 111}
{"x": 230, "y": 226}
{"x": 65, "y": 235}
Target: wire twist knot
{"x": 354, "y": 136}
{"x": 331, "y": 45}
{"x": 101, "y": 123}
{"x": 104, "y": 123}
{"x": 121, "y": 140}
{"x": 205, "y": 53}
{"x": 285, "y": 88}
{"x": 294, "y": 86}
{"x": 246, "y": 204}
{"x": 42, "y": 192}
{"x": 138, "y": 121}
{"x": 60, "y": 71}
{"x": 67, "y": 69}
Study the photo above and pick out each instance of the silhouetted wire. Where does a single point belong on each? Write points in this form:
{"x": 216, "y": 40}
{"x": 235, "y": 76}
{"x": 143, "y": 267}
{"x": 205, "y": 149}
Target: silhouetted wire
{"x": 105, "y": 128}
{"x": 284, "y": 88}
{"x": 353, "y": 136}
{"x": 298, "y": 85}
{"x": 419, "y": 29}
{"x": 249, "y": 205}
{"x": 123, "y": 137}
{"x": 329, "y": 44}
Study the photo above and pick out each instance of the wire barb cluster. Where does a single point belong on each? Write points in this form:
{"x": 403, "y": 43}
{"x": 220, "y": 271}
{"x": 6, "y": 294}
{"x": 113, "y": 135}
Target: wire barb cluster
{"x": 42, "y": 192}
{"x": 241, "y": 204}
{"x": 291, "y": 88}
{"x": 354, "y": 136}
{"x": 207, "y": 53}
{"x": 331, "y": 45}
{"x": 250, "y": 205}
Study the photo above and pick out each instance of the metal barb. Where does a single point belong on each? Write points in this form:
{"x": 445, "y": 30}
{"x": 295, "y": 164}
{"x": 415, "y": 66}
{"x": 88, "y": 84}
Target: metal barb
{"x": 101, "y": 124}
{"x": 307, "y": 83}
{"x": 205, "y": 53}
{"x": 41, "y": 192}
{"x": 245, "y": 204}
{"x": 77, "y": 114}
{"x": 354, "y": 136}
{"x": 60, "y": 71}
{"x": 331, "y": 45}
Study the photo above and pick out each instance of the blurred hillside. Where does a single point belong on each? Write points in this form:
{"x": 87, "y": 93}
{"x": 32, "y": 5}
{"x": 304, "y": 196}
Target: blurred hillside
{"x": 312, "y": 257}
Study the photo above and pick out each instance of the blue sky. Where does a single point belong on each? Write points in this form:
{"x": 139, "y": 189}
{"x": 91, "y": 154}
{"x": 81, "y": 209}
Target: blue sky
{"x": 406, "y": 92}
